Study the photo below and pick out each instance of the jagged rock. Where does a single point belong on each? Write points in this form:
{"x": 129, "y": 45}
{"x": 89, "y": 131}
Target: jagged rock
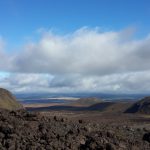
{"x": 17, "y": 131}
{"x": 146, "y": 137}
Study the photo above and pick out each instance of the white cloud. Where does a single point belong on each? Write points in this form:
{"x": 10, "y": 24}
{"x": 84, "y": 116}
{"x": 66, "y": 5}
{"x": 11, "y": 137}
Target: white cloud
{"x": 86, "y": 51}
{"x": 85, "y": 60}
{"x": 137, "y": 82}
{"x": 19, "y": 82}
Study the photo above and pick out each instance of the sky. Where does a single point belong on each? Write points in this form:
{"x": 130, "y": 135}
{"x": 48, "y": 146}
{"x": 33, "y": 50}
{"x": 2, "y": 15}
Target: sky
{"x": 75, "y": 46}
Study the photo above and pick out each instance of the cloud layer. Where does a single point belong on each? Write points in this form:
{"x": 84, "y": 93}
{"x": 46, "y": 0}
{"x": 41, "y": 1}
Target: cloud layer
{"x": 85, "y": 60}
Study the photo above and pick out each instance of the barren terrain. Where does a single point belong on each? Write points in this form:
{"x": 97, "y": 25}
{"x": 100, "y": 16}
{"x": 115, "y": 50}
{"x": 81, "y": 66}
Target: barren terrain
{"x": 71, "y": 130}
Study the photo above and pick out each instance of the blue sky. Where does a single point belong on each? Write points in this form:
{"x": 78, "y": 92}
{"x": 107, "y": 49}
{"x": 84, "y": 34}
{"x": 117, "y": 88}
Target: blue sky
{"x": 20, "y": 19}
{"x": 75, "y": 45}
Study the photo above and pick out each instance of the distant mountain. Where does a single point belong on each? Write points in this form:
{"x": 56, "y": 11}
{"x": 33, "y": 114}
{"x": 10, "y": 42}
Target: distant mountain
{"x": 142, "y": 106}
{"x": 106, "y": 96}
{"x": 8, "y": 101}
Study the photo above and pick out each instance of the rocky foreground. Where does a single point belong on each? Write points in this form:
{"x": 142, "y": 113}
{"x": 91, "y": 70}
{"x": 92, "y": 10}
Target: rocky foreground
{"x": 21, "y": 130}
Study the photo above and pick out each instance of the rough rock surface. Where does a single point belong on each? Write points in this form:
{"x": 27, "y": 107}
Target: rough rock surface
{"x": 8, "y": 101}
{"x": 22, "y": 130}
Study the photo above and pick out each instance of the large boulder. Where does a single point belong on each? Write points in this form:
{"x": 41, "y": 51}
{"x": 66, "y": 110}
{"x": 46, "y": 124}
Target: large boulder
{"x": 8, "y": 100}
{"x": 142, "y": 106}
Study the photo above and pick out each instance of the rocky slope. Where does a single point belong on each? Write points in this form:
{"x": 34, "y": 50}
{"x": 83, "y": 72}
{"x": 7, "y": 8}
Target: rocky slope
{"x": 21, "y": 130}
{"x": 8, "y": 101}
{"x": 142, "y": 106}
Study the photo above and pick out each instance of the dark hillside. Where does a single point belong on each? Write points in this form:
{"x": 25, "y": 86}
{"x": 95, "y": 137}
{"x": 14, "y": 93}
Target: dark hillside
{"x": 142, "y": 106}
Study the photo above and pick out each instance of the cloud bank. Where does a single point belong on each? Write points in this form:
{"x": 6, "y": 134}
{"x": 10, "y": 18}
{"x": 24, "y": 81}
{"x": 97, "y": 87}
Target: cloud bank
{"x": 85, "y": 60}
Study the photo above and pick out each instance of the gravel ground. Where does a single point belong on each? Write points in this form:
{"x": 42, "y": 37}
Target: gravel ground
{"x": 22, "y": 130}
